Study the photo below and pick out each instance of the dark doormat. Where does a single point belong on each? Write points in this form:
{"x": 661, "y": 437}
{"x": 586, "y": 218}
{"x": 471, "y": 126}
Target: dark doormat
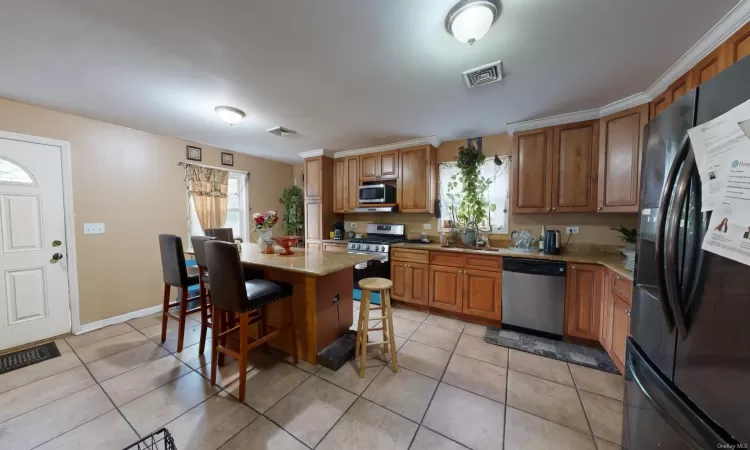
{"x": 582, "y": 355}
{"x": 27, "y": 357}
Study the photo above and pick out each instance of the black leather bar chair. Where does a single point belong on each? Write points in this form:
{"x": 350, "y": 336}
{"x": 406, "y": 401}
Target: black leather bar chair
{"x": 222, "y": 234}
{"x": 176, "y": 274}
{"x": 204, "y": 283}
{"x": 230, "y": 292}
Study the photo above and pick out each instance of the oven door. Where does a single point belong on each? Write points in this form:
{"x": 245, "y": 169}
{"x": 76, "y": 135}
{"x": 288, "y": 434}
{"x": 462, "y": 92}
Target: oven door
{"x": 372, "y": 193}
{"x": 374, "y": 268}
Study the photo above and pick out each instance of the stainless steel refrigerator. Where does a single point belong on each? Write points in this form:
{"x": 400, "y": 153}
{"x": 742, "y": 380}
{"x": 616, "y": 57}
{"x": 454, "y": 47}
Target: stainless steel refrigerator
{"x": 688, "y": 357}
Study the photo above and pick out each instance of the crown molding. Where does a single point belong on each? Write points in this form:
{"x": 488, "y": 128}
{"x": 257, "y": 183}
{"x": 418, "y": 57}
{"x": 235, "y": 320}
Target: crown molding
{"x": 314, "y": 153}
{"x": 559, "y": 119}
{"x": 429, "y": 140}
{"x": 736, "y": 18}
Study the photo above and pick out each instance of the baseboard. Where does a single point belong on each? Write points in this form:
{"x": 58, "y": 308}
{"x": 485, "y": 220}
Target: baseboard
{"x": 91, "y": 326}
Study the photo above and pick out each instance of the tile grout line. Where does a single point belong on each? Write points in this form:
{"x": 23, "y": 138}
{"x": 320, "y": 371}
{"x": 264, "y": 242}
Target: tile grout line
{"x": 585, "y": 413}
{"x": 505, "y": 411}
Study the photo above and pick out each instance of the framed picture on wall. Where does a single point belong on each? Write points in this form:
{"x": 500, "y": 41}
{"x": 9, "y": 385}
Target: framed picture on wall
{"x": 193, "y": 153}
{"x": 227, "y": 159}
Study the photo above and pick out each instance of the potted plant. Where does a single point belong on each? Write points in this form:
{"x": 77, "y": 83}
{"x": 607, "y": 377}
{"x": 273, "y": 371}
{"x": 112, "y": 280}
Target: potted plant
{"x": 467, "y": 191}
{"x": 293, "y": 200}
{"x": 628, "y": 236}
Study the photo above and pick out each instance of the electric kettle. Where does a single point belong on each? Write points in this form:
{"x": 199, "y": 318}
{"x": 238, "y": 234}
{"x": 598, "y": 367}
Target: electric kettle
{"x": 552, "y": 242}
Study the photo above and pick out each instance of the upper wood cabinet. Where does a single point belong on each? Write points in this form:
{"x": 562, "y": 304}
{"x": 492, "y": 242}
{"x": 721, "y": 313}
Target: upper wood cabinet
{"x": 708, "y": 67}
{"x": 379, "y": 166}
{"x": 314, "y": 178}
{"x": 532, "y": 171}
{"x": 345, "y": 184}
{"x": 659, "y": 104}
{"x": 584, "y": 288}
{"x": 417, "y": 184}
{"x": 575, "y": 162}
{"x": 677, "y": 89}
{"x": 620, "y": 144}
{"x": 738, "y": 45}
{"x": 482, "y": 293}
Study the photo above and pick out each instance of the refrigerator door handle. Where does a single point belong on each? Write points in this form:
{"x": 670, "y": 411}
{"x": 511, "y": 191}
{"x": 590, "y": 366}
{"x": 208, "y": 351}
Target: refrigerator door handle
{"x": 661, "y": 226}
{"x": 673, "y": 227}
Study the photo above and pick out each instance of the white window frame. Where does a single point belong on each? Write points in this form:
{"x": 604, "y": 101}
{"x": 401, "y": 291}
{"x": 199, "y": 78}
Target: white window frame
{"x": 502, "y": 205}
{"x": 242, "y": 178}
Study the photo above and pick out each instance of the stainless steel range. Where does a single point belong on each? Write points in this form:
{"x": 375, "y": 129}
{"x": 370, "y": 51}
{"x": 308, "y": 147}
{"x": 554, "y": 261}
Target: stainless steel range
{"x": 378, "y": 242}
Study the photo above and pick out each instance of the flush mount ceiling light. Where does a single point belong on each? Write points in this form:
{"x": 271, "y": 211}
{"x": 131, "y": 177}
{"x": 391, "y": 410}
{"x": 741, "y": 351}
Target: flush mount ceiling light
{"x": 230, "y": 115}
{"x": 469, "y": 20}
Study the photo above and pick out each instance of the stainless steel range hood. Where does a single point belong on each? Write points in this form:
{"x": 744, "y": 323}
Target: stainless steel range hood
{"x": 376, "y": 209}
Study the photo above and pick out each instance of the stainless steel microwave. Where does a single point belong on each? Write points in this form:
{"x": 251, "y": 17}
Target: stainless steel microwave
{"x": 377, "y": 193}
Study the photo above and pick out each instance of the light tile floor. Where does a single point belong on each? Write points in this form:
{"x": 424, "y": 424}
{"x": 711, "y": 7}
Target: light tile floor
{"x": 112, "y": 386}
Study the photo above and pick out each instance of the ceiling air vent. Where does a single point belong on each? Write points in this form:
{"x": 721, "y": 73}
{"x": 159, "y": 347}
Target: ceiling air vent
{"x": 281, "y": 131}
{"x": 488, "y": 73}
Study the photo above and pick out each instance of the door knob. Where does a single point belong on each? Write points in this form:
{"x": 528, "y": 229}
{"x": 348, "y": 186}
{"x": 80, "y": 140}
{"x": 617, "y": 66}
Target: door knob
{"x": 56, "y": 257}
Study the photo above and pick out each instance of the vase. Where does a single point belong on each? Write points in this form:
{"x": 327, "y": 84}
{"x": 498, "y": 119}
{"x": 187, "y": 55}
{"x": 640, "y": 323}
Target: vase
{"x": 264, "y": 235}
{"x": 469, "y": 237}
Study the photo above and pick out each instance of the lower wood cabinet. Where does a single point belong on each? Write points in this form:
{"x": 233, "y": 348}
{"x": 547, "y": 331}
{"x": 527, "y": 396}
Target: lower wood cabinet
{"x": 338, "y": 247}
{"x": 446, "y": 288}
{"x": 481, "y": 293}
{"x": 620, "y": 331}
{"x": 583, "y": 298}
{"x": 410, "y": 282}
{"x": 608, "y": 303}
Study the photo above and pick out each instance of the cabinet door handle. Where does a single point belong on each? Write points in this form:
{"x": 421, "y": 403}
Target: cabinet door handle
{"x": 599, "y": 208}
{"x": 617, "y": 277}
{"x": 554, "y": 209}
{"x": 573, "y": 267}
{"x": 627, "y": 312}
{"x": 549, "y": 209}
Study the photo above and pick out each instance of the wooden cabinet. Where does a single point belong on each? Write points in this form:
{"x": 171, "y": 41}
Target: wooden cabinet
{"x": 584, "y": 289}
{"x": 379, "y": 166}
{"x": 314, "y": 178}
{"x": 680, "y": 87}
{"x": 446, "y": 288}
{"x": 340, "y": 184}
{"x": 738, "y": 45}
{"x": 608, "y": 304}
{"x": 345, "y": 184}
{"x": 659, "y": 104}
{"x": 313, "y": 221}
{"x": 620, "y": 146}
{"x": 410, "y": 282}
{"x": 532, "y": 171}
{"x": 710, "y": 66}
{"x": 620, "y": 331}
{"x": 336, "y": 247}
{"x": 575, "y": 162}
{"x": 417, "y": 184}
{"x": 481, "y": 292}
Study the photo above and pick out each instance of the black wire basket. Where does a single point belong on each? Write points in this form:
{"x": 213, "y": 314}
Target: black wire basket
{"x": 158, "y": 440}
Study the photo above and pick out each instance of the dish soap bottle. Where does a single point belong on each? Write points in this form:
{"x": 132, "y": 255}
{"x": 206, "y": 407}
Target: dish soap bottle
{"x": 541, "y": 239}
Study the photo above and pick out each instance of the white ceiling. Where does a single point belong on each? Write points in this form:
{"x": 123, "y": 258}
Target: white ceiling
{"x": 343, "y": 73}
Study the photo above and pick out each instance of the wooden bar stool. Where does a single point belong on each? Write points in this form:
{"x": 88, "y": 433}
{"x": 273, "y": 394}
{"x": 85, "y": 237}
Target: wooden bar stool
{"x": 231, "y": 293}
{"x": 178, "y": 275}
{"x": 383, "y": 286}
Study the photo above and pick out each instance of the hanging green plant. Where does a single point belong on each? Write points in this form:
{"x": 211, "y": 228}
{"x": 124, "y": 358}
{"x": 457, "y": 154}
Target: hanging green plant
{"x": 467, "y": 192}
{"x": 294, "y": 219}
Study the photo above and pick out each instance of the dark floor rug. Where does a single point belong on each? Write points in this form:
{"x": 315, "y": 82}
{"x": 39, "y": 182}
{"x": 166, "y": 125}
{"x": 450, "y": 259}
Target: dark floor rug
{"x": 582, "y": 355}
{"x": 27, "y": 357}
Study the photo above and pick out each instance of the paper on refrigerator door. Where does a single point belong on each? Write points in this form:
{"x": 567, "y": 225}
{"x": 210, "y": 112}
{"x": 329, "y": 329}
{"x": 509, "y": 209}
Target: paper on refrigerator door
{"x": 729, "y": 230}
{"x": 713, "y": 143}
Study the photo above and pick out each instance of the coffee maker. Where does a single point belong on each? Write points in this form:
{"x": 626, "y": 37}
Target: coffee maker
{"x": 338, "y": 231}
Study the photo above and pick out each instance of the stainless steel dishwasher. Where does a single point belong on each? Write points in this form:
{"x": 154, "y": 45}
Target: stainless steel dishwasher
{"x": 534, "y": 295}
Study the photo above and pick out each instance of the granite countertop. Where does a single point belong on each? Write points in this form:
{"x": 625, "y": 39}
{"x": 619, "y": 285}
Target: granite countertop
{"x": 612, "y": 261}
{"x": 315, "y": 262}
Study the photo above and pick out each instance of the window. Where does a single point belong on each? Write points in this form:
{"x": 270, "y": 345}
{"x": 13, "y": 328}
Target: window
{"x": 237, "y": 209}
{"x": 497, "y": 194}
{"x": 13, "y": 173}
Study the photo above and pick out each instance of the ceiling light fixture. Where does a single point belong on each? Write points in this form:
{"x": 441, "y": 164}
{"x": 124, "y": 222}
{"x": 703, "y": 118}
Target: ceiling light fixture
{"x": 469, "y": 20}
{"x": 230, "y": 115}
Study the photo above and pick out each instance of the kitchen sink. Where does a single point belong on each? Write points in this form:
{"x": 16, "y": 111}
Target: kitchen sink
{"x": 464, "y": 247}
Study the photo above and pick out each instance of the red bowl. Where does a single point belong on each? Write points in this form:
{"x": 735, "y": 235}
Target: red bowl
{"x": 286, "y": 242}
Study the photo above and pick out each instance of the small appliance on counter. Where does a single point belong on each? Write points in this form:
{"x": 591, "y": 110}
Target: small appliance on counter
{"x": 552, "y": 242}
{"x": 338, "y": 231}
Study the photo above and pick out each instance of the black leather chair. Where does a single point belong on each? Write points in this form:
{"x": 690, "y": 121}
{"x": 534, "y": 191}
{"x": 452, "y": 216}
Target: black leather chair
{"x": 222, "y": 234}
{"x": 176, "y": 274}
{"x": 231, "y": 292}
{"x": 199, "y": 252}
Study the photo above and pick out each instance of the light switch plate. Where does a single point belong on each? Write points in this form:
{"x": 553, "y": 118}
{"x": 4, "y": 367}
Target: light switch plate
{"x": 428, "y": 226}
{"x": 93, "y": 228}
{"x": 573, "y": 230}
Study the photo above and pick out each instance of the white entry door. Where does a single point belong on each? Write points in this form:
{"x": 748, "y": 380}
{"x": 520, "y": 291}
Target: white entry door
{"x": 34, "y": 296}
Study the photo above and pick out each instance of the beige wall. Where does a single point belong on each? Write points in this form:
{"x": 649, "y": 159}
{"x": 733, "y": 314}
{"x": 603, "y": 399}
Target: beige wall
{"x": 297, "y": 173}
{"x": 595, "y": 228}
{"x": 130, "y": 180}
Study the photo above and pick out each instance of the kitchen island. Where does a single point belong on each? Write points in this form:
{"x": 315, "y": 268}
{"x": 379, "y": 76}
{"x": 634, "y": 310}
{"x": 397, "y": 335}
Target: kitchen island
{"x": 322, "y": 284}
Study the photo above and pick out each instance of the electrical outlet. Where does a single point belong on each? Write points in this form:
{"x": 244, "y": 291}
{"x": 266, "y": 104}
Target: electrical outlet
{"x": 93, "y": 228}
{"x": 354, "y": 225}
{"x": 572, "y": 230}
{"x": 427, "y": 226}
